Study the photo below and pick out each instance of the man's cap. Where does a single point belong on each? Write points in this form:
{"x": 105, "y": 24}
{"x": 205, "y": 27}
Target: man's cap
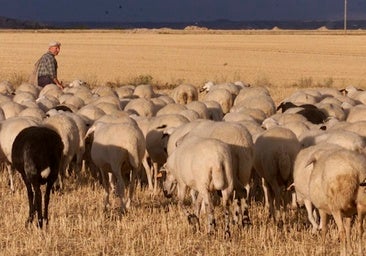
{"x": 54, "y": 43}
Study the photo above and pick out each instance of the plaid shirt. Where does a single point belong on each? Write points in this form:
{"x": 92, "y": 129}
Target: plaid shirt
{"x": 47, "y": 65}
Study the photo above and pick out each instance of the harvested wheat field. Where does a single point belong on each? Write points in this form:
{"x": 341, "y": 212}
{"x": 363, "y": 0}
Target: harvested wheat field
{"x": 283, "y": 61}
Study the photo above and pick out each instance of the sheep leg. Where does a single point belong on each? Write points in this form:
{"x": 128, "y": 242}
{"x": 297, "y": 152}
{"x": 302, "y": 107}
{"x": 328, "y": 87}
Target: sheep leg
{"x": 347, "y": 226}
{"x": 324, "y": 223}
{"x": 210, "y": 212}
{"x": 38, "y": 203}
{"x": 105, "y": 182}
{"x": 192, "y": 218}
{"x": 148, "y": 173}
{"x": 11, "y": 180}
{"x": 131, "y": 191}
{"x": 155, "y": 170}
{"x": 245, "y": 212}
{"x": 47, "y": 200}
{"x": 265, "y": 192}
{"x": 341, "y": 231}
{"x": 225, "y": 204}
{"x": 120, "y": 188}
{"x": 309, "y": 210}
{"x": 28, "y": 185}
{"x": 360, "y": 216}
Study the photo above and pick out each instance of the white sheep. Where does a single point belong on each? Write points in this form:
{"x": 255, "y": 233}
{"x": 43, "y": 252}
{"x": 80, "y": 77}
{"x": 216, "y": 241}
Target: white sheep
{"x": 204, "y": 165}
{"x": 156, "y": 143}
{"x": 199, "y": 107}
{"x": 141, "y": 106}
{"x": 241, "y": 145}
{"x": 357, "y": 113}
{"x": 11, "y": 109}
{"x": 214, "y": 109}
{"x": 221, "y": 96}
{"x": 257, "y": 98}
{"x": 117, "y": 149}
{"x": 145, "y": 91}
{"x": 303, "y": 168}
{"x": 185, "y": 93}
{"x": 103, "y": 91}
{"x": 26, "y": 87}
{"x": 171, "y": 108}
{"x": 125, "y": 91}
{"x": 337, "y": 188}
{"x": 66, "y": 127}
{"x": 10, "y": 128}
{"x": 275, "y": 151}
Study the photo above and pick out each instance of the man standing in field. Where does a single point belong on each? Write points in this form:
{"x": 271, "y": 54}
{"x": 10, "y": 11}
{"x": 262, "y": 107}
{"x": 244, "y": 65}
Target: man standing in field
{"x": 45, "y": 70}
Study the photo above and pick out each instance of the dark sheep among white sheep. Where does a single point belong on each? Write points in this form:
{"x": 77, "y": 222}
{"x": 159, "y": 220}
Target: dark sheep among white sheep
{"x": 36, "y": 154}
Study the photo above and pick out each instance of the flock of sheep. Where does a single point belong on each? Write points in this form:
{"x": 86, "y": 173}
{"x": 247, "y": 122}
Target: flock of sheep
{"x": 224, "y": 137}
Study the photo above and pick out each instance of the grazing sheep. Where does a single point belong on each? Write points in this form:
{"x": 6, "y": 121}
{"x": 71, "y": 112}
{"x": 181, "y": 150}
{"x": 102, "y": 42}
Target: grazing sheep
{"x": 199, "y": 107}
{"x": 145, "y": 91}
{"x": 156, "y": 143}
{"x": 125, "y": 91}
{"x": 117, "y": 150}
{"x": 6, "y": 88}
{"x": 240, "y": 142}
{"x": 221, "y": 96}
{"x": 50, "y": 90}
{"x": 66, "y": 127}
{"x": 47, "y": 102}
{"x": 10, "y": 128}
{"x": 346, "y": 139}
{"x": 171, "y": 108}
{"x": 187, "y": 167}
{"x": 257, "y": 98}
{"x": 29, "y": 88}
{"x": 356, "y": 113}
{"x": 275, "y": 151}
{"x": 141, "y": 107}
{"x": 303, "y": 168}
{"x": 185, "y": 93}
{"x": 214, "y": 109}
{"x": 35, "y": 112}
{"x": 309, "y": 111}
{"x": 11, "y": 109}
{"x": 104, "y": 91}
{"x": 36, "y": 155}
{"x": 337, "y": 188}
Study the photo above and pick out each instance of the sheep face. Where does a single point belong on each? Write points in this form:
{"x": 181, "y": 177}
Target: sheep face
{"x": 169, "y": 184}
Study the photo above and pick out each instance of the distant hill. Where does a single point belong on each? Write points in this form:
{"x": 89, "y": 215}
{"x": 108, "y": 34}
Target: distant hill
{"x": 20, "y": 24}
{"x": 215, "y": 24}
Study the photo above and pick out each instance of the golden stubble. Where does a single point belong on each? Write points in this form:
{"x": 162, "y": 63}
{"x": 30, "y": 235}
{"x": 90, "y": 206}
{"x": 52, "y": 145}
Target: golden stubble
{"x": 274, "y": 59}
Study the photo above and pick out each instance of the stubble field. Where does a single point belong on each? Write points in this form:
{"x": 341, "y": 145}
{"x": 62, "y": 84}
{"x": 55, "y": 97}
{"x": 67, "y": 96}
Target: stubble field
{"x": 283, "y": 61}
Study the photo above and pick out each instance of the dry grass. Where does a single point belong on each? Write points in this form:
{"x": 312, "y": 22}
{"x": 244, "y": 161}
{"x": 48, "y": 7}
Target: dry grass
{"x": 154, "y": 226}
{"x": 281, "y": 60}
{"x": 275, "y": 58}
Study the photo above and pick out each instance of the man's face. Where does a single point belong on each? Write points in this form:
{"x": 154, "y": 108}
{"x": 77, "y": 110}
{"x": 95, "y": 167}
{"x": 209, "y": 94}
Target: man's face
{"x": 54, "y": 50}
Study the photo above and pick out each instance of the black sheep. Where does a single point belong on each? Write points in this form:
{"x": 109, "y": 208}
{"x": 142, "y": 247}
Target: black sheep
{"x": 309, "y": 111}
{"x": 36, "y": 154}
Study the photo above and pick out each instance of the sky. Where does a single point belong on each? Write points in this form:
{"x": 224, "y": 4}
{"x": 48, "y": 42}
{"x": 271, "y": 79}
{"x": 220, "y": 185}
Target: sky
{"x": 179, "y": 10}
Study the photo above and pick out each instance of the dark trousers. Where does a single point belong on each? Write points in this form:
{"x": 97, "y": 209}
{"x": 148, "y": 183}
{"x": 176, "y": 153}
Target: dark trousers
{"x": 44, "y": 80}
